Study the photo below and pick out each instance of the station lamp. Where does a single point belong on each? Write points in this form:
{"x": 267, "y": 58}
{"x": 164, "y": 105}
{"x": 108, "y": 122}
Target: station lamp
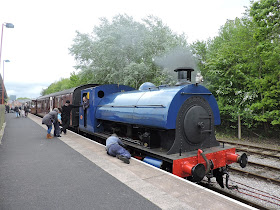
{"x": 7, "y": 25}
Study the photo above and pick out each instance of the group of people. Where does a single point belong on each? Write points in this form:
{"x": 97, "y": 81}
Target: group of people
{"x": 114, "y": 146}
{"x": 53, "y": 118}
{"x": 57, "y": 117}
{"x": 61, "y": 116}
{"x": 22, "y": 111}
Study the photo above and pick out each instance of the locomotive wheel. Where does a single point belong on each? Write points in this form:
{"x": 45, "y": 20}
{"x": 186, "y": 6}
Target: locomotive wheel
{"x": 194, "y": 126}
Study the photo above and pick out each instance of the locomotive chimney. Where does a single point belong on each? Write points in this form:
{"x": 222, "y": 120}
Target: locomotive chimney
{"x": 184, "y": 75}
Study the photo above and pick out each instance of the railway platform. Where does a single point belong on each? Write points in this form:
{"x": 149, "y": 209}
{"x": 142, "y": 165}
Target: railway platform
{"x": 73, "y": 172}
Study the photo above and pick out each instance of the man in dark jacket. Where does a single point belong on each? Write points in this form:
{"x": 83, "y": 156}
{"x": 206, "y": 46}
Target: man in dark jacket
{"x": 26, "y": 109}
{"x": 7, "y": 108}
{"x": 17, "y": 111}
{"x": 65, "y": 115}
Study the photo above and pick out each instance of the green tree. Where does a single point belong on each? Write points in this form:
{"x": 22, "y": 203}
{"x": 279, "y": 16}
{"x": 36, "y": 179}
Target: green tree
{"x": 266, "y": 17}
{"x": 60, "y": 85}
{"x": 119, "y": 49}
{"x": 199, "y": 50}
{"x": 226, "y": 65}
{"x": 241, "y": 67}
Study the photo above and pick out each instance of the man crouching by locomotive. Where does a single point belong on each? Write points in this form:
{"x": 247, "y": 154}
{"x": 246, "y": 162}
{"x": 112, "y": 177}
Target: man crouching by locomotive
{"x": 114, "y": 147}
{"x": 65, "y": 115}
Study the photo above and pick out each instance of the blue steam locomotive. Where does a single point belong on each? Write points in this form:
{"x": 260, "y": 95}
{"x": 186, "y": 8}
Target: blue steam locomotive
{"x": 166, "y": 124}
{"x": 171, "y": 127}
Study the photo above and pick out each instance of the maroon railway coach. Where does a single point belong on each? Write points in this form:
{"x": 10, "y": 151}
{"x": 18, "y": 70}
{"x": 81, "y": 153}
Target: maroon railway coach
{"x": 44, "y": 104}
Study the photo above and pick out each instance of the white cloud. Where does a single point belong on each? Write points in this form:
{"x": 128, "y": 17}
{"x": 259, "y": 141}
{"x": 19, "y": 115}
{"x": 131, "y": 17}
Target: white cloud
{"x": 38, "y": 45}
{"x": 21, "y": 90}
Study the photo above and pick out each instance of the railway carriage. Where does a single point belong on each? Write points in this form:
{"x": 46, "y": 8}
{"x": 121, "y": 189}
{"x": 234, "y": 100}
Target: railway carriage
{"x": 33, "y": 105}
{"x": 45, "y": 104}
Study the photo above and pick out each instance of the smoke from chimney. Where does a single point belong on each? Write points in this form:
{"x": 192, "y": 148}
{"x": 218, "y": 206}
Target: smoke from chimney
{"x": 175, "y": 58}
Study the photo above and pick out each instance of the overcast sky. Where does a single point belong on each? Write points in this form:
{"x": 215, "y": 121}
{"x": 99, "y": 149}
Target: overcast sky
{"x": 44, "y": 30}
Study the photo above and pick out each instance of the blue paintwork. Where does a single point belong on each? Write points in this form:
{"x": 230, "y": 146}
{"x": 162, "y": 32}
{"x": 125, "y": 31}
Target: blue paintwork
{"x": 94, "y": 100}
{"x": 153, "y": 161}
{"x": 147, "y": 86}
{"x": 157, "y": 107}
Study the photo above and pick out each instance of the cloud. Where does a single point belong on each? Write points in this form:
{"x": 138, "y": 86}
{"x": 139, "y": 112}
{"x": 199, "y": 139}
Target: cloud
{"x": 22, "y": 90}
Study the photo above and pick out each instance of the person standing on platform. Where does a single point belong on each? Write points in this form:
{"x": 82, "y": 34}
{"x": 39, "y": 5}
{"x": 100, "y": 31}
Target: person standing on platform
{"x": 57, "y": 124}
{"x": 17, "y": 111}
{"x": 65, "y": 115}
{"x": 26, "y": 109}
{"x": 7, "y": 108}
{"x": 22, "y": 112}
{"x": 48, "y": 120}
{"x": 114, "y": 147}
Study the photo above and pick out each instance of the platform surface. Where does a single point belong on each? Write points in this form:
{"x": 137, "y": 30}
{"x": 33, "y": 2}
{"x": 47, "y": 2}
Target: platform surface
{"x": 73, "y": 172}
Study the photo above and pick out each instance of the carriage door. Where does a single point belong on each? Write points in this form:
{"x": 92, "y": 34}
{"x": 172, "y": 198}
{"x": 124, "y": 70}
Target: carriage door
{"x": 51, "y": 103}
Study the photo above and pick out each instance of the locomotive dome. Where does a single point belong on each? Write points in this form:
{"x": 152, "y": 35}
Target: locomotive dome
{"x": 147, "y": 86}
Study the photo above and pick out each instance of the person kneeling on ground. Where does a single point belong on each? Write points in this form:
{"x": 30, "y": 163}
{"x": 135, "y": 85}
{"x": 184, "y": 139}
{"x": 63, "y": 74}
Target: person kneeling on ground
{"x": 114, "y": 147}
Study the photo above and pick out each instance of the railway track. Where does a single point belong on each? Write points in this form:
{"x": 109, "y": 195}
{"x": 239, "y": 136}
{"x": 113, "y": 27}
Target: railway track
{"x": 248, "y": 191}
{"x": 253, "y": 196}
{"x": 268, "y": 200}
{"x": 268, "y": 169}
{"x": 254, "y": 175}
{"x": 255, "y": 172}
{"x": 231, "y": 195}
{"x": 254, "y": 149}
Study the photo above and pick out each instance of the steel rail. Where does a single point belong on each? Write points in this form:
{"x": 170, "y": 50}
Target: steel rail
{"x": 250, "y": 174}
{"x": 263, "y": 152}
{"x": 263, "y": 165}
{"x": 230, "y": 195}
{"x": 250, "y": 146}
{"x": 258, "y": 153}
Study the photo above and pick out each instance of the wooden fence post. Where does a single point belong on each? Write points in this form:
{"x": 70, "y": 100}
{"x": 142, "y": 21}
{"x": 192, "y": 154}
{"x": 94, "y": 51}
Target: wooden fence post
{"x": 239, "y": 127}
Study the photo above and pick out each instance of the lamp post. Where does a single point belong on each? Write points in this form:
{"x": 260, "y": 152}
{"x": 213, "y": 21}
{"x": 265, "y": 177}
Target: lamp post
{"x": 3, "y": 81}
{"x": 8, "y": 25}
